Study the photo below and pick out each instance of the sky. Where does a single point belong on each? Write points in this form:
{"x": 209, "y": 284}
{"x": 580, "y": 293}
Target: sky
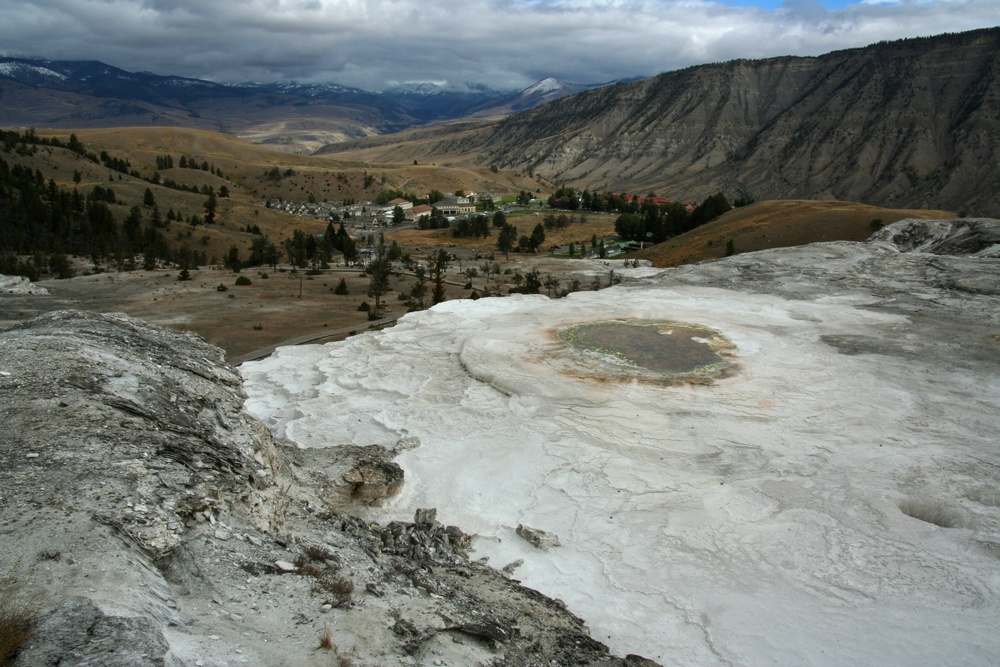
{"x": 502, "y": 43}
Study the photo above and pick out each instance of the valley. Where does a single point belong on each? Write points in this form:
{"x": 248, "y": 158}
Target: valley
{"x": 697, "y": 368}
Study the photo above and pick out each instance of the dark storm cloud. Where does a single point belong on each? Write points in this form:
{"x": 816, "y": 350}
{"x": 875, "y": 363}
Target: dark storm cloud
{"x": 505, "y": 43}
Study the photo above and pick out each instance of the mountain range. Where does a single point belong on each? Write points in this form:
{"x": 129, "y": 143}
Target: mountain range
{"x": 910, "y": 123}
{"x": 299, "y": 116}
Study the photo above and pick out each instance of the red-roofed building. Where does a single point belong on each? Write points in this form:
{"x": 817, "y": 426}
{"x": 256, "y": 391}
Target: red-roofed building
{"x": 418, "y": 212}
{"x": 643, "y": 199}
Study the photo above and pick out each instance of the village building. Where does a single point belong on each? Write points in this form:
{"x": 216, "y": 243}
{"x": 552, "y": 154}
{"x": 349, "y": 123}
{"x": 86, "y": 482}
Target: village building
{"x": 450, "y": 206}
{"x": 416, "y": 213}
{"x": 404, "y": 204}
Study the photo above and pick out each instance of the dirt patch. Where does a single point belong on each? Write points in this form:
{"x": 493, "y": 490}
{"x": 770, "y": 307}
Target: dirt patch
{"x": 657, "y": 352}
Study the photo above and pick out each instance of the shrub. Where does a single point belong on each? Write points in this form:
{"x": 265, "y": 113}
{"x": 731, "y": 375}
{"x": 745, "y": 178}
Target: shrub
{"x": 341, "y": 587}
{"x": 184, "y": 275}
{"x": 16, "y": 621}
{"x": 243, "y": 281}
{"x": 341, "y": 287}
{"x": 364, "y": 307}
{"x": 221, "y": 288}
{"x": 326, "y": 639}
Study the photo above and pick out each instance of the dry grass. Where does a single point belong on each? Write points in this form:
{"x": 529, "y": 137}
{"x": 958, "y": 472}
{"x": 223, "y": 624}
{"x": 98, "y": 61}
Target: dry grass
{"x": 326, "y": 643}
{"x": 334, "y": 176}
{"x": 778, "y": 224}
{"x": 326, "y": 639}
{"x": 17, "y": 620}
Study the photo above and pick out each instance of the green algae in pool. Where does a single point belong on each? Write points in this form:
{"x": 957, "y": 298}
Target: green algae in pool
{"x": 668, "y": 350}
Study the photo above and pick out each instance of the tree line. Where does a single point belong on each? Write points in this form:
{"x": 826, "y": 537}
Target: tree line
{"x": 654, "y": 223}
{"x": 45, "y": 222}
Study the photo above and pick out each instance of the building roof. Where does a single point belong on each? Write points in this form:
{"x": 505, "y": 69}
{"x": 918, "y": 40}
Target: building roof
{"x": 398, "y": 201}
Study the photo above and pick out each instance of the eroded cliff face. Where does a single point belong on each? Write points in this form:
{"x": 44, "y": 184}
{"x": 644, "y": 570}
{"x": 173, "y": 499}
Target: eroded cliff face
{"x": 147, "y": 520}
{"x": 909, "y": 123}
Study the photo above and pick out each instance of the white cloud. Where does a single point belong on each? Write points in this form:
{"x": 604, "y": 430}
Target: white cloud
{"x": 501, "y": 42}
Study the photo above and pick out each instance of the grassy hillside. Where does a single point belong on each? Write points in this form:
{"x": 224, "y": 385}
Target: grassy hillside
{"x": 239, "y": 166}
{"x": 242, "y": 208}
{"x": 325, "y": 177}
{"x": 778, "y": 224}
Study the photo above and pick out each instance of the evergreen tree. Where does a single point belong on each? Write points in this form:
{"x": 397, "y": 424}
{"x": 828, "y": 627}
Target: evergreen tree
{"x": 506, "y": 239}
{"x": 419, "y": 289}
{"x": 438, "y": 268}
{"x": 537, "y": 237}
{"x": 378, "y": 271}
{"x": 233, "y": 259}
{"x": 210, "y": 206}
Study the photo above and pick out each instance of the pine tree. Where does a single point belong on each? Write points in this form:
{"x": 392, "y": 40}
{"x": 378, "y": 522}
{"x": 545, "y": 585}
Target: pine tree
{"x": 210, "y": 205}
{"x": 438, "y": 269}
{"x": 378, "y": 272}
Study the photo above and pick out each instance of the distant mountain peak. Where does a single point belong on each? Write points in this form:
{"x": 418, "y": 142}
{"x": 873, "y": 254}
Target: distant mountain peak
{"x": 546, "y": 85}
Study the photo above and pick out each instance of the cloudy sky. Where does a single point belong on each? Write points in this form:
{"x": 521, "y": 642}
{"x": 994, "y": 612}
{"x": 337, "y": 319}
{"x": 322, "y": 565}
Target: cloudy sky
{"x": 503, "y": 43}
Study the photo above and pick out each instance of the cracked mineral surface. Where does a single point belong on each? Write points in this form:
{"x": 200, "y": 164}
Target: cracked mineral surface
{"x": 833, "y": 502}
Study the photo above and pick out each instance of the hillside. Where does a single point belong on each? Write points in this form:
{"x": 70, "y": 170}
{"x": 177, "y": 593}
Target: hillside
{"x": 779, "y": 224}
{"x": 913, "y": 123}
{"x": 245, "y": 170}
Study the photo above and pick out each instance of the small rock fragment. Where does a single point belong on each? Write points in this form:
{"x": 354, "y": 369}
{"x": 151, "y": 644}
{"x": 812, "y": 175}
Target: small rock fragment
{"x": 537, "y": 538}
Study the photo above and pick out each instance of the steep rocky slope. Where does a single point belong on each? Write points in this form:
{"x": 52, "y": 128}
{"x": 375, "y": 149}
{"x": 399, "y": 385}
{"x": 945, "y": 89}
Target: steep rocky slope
{"x": 910, "y": 123}
{"x": 914, "y": 123}
{"x": 147, "y": 520}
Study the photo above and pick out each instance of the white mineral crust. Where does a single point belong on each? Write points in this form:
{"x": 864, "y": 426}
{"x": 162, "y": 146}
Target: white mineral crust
{"x": 755, "y": 521}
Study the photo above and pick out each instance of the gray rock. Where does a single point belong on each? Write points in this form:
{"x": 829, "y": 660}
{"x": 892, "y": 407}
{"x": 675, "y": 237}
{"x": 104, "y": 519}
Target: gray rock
{"x": 537, "y": 538}
{"x": 76, "y": 632}
{"x": 157, "y": 462}
{"x": 373, "y": 480}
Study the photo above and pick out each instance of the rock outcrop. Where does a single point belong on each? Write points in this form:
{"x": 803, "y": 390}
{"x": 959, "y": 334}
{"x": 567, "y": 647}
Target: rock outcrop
{"x": 150, "y": 521}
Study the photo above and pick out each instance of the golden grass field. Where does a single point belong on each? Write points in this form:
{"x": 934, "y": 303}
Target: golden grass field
{"x": 778, "y": 224}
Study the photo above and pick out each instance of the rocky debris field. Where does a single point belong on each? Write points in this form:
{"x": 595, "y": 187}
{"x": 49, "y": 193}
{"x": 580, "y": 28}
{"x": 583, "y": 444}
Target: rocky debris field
{"x": 146, "y": 519}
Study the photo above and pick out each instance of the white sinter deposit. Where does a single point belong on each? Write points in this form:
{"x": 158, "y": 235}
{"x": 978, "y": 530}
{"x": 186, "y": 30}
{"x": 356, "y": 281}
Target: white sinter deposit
{"x": 787, "y": 514}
